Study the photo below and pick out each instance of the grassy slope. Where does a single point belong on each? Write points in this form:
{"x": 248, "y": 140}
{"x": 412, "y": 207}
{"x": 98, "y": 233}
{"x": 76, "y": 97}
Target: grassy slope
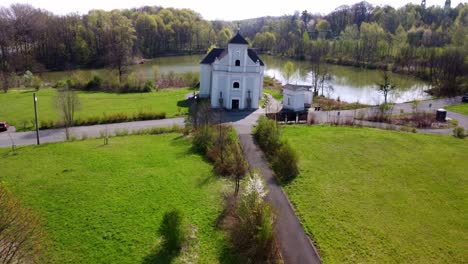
{"x": 459, "y": 108}
{"x": 104, "y": 204}
{"x": 276, "y": 93}
{"x": 373, "y": 196}
{"x": 16, "y": 106}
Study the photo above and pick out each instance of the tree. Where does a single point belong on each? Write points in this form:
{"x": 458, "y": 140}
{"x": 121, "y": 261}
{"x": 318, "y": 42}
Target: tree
{"x": 36, "y": 83}
{"x": 288, "y": 71}
{"x": 386, "y": 87}
{"x": 20, "y": 232}
{"x": 224, "y": 36}
{"x": 67, "y": 103}
{"x": 122, "y": 36}
{"x": 249, "y": 221}
{"x": 323, "y": 28}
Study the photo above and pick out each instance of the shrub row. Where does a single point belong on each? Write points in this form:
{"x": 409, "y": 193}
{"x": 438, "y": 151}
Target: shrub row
{"x": 221, "y": 146}
{"x": 106, "y": 119}
{"x": 279, "y": 152}
{"x": 131, "y": 83}
{"x": 249, "y": 222}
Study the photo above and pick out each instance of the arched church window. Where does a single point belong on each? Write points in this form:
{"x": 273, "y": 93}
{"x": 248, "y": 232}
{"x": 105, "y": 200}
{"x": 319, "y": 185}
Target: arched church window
{"x": 237, "y": 63}
{"x": 235, "y": 85}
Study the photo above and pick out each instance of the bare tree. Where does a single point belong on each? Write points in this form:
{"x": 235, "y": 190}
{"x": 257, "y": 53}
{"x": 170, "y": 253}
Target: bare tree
{"x": 67, "y": 103}
{"x": 20, "y": 233}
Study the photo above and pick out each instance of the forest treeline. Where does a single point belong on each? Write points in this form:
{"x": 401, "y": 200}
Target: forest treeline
{"x": 430, "y": 42}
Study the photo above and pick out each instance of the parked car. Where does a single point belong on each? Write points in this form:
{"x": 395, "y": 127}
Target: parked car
{"x": 465, "y": 98}
{"x": 3, "y": 126}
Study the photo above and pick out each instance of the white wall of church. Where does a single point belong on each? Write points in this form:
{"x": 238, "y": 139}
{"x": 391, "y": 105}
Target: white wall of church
{"x": 205, "y": 80}
{"x": 217, "y": 80}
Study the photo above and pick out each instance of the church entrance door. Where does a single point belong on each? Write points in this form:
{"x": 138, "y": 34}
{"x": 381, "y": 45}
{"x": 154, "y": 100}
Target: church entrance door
{"x": 235, "y": 104}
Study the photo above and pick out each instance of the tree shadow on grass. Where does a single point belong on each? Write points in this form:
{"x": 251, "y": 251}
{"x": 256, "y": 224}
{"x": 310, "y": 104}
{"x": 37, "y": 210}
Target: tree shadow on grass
{"x": 183, "y": 103}
{"x": 171, "y": 230}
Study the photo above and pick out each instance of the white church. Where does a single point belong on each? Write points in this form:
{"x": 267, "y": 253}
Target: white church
{"x": 232, "y": 77}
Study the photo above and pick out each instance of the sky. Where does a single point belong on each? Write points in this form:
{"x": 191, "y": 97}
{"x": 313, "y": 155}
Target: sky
{"x": 213, "y": 9}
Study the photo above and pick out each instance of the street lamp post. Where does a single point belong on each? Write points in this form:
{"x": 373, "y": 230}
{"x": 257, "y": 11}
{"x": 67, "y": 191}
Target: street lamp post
{"x": 35, "y": 115}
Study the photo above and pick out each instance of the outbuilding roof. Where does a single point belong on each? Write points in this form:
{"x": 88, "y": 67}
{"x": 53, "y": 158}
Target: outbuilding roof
{"x": 297, "y": 88}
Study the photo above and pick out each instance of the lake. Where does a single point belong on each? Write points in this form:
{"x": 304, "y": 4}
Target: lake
{"x": 348, "y": 83}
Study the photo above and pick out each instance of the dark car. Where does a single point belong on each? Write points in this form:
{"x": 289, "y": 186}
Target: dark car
{"x": 3, "y": 126}
{"x": 465, "y": 98}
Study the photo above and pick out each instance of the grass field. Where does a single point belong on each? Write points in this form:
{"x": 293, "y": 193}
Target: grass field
{"x": 104, "y": 204}
{"x": 459, "y": 108}
{"x": 16, "y": 106}
{"x": 276, "y": 93}
{"x": 375, "y": 196}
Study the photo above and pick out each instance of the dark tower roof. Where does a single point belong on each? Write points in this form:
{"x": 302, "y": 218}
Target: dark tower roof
{"x": 238, "y": 39}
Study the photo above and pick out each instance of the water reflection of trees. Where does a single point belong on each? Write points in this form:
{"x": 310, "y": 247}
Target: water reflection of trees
{"x": 342, "y": 75}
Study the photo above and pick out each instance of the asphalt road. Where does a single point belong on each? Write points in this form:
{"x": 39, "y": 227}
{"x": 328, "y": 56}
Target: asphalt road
{"x": 57, "y": 135}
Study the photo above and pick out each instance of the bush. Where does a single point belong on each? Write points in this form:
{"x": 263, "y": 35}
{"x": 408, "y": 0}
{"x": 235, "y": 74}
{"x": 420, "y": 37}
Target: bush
{"x": 459, "y": 132}
{"x": 282, "y": 156}
{"x": 20, "y": 232}
{"x": 149, "y": 115}
{"x": 47, "y": 124}
{"x": 157, "y": 130}
{"x": 94, "y": 84}
{"x": 249, "y": 222}
{"x": 285, "y": 162}
{"x": 203, "y": 139}
{"x": 149, "y": 87}
{"x": 267, "y": 135}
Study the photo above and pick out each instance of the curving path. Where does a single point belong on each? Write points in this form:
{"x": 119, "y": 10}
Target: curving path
{"x": 294, "y": 244}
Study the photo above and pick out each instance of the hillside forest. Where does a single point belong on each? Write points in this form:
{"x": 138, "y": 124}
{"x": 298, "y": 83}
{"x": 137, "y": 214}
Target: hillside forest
{"x": 430, "y": 42}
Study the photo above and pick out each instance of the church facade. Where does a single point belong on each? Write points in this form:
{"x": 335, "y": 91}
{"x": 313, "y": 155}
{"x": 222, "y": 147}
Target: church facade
{"x": 232, "y": 77}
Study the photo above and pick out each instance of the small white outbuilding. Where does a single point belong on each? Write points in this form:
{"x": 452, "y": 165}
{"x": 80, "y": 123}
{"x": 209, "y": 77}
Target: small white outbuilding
{"x": 297, "y": 97}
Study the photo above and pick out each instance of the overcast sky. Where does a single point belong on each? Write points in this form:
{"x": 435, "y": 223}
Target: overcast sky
{"x": 212, "y": 9}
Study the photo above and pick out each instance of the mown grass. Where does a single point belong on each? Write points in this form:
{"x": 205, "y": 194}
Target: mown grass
{"x": 276, "y": 93}
{"x": 375, "y": 196}
{"x": 459, "y": 108}
{"x": 16, "y": 106}
{"x": 105, "y": 204}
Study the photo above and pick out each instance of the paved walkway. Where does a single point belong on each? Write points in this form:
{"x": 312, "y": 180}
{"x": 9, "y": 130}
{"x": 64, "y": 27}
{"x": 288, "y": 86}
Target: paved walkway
{"x": 295, "y": 246}
{"x": 58, "y": 135}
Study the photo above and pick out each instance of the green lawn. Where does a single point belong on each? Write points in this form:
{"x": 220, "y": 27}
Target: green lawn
{"x": 459, "y": 108}
{"x": 375, "y": 196}
{"x": 276, "y": 93}
{"x": 104, "y": 204}
{"x": 16, "y": 106}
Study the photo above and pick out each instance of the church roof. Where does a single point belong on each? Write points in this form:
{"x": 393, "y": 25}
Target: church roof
{"x": 211, "y": 56}
{"x": 253, "y": 55}
{"x": 238, "y": 39}
{"x": 219, "y": 53}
